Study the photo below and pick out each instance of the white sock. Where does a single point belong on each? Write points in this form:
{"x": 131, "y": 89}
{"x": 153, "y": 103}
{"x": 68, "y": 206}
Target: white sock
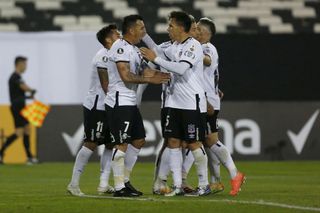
{"x": 201, "y": 162}
{"x": 81, "y": 161}
{"x": 225, "y": 158}
{"x": 118, "y": 168}
{"x": 176, "y": 166}
{"x": 187, "y": 163}
{"x": 214, "y": 166}
{"x": 105, "y": 167}
{"x": 130, "y": 161}
{"x": 164, "y": 164}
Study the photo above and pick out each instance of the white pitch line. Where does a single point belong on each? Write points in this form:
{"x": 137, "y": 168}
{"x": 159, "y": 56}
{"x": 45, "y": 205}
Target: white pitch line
{"x": 260, "y": 202}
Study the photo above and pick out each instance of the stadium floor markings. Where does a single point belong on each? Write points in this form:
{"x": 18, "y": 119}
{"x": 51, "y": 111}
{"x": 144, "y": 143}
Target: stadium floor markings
{"x": 260, "y": 202}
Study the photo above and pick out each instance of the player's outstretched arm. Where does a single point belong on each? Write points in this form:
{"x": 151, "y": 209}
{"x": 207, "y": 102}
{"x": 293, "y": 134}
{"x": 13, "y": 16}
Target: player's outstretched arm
{"x": 175, "y": 67}
{"x": 149, "y": 75}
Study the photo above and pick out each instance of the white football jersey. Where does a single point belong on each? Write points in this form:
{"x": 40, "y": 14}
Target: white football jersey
{"x": 123, "y": 51}
{"x": 184, "y": 89}
{"x": 163, "y": 47}
{"x": 95, "y": 90}
{"x": 211, "y": 75}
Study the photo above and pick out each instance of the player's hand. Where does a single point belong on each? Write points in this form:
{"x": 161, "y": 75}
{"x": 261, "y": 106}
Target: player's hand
{"x": 210, "y": 109}
{"x": 158, "y": 78}
{"x": 148, "y": 54}
{"x": 221, "y": 94}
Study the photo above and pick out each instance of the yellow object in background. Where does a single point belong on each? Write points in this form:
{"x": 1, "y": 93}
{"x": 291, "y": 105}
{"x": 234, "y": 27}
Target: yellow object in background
{"x": 15, "y": 152}
{"x": 35, "y": 113}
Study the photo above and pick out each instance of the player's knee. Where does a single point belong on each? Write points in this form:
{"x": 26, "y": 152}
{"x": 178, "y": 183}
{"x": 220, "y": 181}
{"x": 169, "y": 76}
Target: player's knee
{"x": 138, "y": 143}
{"x": 118, "y": 155}
{"x": 90, "y": 145}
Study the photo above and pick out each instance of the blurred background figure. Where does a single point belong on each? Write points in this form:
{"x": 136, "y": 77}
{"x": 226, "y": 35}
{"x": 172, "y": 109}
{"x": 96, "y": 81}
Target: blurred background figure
{"x": 19, "y": 91}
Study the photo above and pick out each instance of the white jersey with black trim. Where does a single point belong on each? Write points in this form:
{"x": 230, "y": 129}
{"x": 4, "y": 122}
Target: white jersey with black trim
{"x": 100, "y": 60}
{"x": 123, "y": 51}
{"x": 163, "y": 47}
{"x": 186, "y": 91}
{"x": 211, "y": 75}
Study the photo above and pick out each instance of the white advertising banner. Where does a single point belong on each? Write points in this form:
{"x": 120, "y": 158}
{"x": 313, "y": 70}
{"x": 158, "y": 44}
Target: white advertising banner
{"x": 59, "y": 64}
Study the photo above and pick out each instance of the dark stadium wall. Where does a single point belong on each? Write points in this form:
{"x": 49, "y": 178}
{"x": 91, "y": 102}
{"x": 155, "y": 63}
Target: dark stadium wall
{"x": 265, "y": 67}
{"x": 251, "y": 131}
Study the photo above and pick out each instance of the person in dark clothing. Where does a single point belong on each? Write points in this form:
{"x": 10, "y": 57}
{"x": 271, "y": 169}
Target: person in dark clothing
{"x": 19, "y": 92}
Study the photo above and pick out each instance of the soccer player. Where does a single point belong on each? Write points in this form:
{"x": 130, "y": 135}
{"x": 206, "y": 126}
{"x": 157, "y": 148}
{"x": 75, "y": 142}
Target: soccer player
{"x": 186, "y": 100}
{"x": 215, "y": 149}
{"x": 96, "y": 131}
{"x": 127, "y": 70}
{"x": 162, "y": 159}
{"x": 19, "y": 92}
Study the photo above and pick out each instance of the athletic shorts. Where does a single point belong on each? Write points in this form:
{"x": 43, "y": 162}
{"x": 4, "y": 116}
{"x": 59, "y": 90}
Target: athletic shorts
{"x": 125, "y": 123}
{"x": 186, "y": 125}
{"x": 19, "y": 121}
{"x": 163, "y": 115}
{"x": 212, "y": 123}
{"x": 96, "y": 126}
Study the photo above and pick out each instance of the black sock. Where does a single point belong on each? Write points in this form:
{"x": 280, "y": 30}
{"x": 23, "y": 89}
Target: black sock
{"x": 26, "y": 143}
{"x": 9, "y": 141}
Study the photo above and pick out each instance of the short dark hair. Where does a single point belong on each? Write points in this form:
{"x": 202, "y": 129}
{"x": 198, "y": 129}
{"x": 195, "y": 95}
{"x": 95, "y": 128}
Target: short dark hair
{"x": 182, "y": 18}
{"x": 105, "y": 32}
{"x": 129, "y": 21}
{"x": 19, "y": 59}
{"x": 209, "y": 23}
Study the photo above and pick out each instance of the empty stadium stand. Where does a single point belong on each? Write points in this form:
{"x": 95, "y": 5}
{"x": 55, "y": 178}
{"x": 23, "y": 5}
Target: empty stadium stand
{"x": 231, "y": 16}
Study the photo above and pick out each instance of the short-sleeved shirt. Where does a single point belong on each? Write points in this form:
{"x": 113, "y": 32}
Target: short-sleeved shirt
{"x": 17, "y": 95}
{"x": 96, "y": 93}
{"x": 211, "y": 74}
{"x": 186, "y": 91}
{"x": 118, "y": 91}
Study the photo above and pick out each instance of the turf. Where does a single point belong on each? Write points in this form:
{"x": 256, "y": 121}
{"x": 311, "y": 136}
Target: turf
{"x": 42, "y": 188}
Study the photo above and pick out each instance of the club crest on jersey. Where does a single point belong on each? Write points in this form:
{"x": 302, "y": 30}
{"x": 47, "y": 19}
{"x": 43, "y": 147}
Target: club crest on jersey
{"x": 105, "y": 59}
{"x": 120, "y": 51}
{"x": 189, "y": 54}
{"x": 192, "y": 48}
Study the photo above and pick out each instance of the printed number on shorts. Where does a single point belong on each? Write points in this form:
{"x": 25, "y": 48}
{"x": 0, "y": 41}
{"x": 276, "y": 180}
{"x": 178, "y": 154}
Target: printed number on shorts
{"x": 99, "y": 126}
{"x": 127, "y": 123}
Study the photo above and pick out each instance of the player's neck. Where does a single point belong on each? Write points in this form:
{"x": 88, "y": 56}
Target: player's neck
{"x": 129, "y": 39}
{"x": 183, "y": 38}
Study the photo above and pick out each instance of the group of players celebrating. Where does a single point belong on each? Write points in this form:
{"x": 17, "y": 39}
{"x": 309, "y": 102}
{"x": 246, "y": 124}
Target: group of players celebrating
{"x": 187, "y": 68}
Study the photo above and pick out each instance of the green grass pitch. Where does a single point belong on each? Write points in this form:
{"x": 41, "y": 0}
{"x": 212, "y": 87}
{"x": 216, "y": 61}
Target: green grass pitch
{"x": 271, "y": 187}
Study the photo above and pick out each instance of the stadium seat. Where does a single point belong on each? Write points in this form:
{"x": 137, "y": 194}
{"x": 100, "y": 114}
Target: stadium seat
{"x": 231, "y": 16}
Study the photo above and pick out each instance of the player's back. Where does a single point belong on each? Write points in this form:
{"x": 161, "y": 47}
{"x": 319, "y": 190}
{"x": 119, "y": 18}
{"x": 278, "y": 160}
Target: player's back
{"x": 95, "y": 90}
{"x": 211, "y": 74}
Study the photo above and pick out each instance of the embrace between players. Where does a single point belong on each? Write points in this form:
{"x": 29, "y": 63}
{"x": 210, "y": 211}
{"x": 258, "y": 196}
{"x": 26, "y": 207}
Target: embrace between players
{"x": 187, "y": 68}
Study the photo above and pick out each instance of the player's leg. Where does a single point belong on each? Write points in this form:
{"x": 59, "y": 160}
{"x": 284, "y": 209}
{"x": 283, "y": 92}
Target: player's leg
{"x": 188, "y": 161}
{"x": 92, "y": 125}
{"x": 137, "y": 132}
{"x": 105, "y": 169}
{"x": 224, "y": 156}
{"x": 194, "y": 135}
{"x": 213, "y": 161}
{"x": 121, "y": 121}
{"x": 174, "y": 136}
{"x": 162, "y": 167}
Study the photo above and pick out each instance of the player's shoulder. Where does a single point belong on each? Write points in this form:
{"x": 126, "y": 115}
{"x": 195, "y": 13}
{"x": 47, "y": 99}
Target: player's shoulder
{"x": 209, "y": 47}
{"x": 120, "y": 45}
{"x": 192, "y": 44}
{"x": 166, "y": 44}
{"x": 101, "y": 52}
